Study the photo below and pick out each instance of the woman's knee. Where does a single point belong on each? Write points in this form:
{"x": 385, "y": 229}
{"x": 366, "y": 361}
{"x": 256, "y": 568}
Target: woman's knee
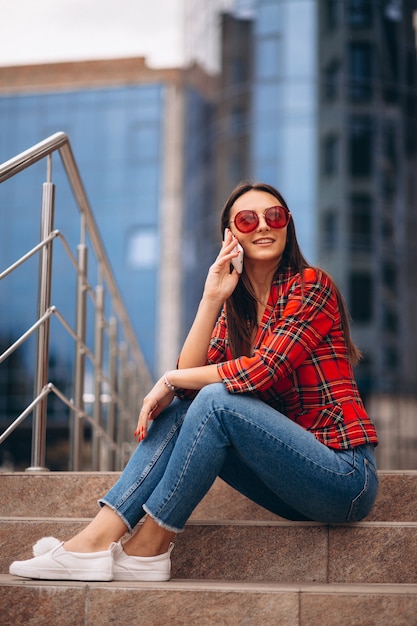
{"x": 211, "y": 397}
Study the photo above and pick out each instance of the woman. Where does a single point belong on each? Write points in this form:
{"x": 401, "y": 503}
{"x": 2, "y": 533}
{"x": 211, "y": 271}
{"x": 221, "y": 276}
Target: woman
{"x": 266, "y": 399}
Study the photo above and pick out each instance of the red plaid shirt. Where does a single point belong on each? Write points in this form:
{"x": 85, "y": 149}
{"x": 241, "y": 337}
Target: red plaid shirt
{"x": 300, "y": 365}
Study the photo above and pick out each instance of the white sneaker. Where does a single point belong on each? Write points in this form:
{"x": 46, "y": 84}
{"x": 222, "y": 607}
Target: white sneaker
{"x": 52, "y": 562}
{"x": 141, "y": 568}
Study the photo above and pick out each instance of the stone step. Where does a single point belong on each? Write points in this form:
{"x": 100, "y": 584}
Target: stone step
{"x": 74, "y": 494}
{"x": 260, "y": 551}
{"x": 209, "y": 603}
{"x": 235, "y": 563}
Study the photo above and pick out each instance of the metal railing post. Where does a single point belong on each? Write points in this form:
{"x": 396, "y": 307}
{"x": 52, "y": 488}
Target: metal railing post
{"x": 79, "y": 361}
{"x": 42, "y": 342}
{"x": 135, "y": 395}
{"x": 123, "y": 391}
{"x": 98, "y": 353}
{"x": 117, "y": 394}
{"x": 111, "y": 411}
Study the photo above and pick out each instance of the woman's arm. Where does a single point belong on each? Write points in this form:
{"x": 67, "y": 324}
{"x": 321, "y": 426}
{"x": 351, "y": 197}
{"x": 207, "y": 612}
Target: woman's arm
{"x": 193, "y": 372}
{"x": 193, "y": 377}
{"x": 162, "y": 393}
{"x": 219, "y": 285}
{"x": 194, "y": 351}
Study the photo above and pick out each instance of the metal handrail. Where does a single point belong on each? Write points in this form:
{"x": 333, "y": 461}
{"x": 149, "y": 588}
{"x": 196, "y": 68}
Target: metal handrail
{"x": 60, "y": 142}
{"x": 125, "y": 360}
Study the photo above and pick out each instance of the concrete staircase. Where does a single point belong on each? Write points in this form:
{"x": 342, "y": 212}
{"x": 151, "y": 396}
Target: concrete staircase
{"x": 234, "y": 564}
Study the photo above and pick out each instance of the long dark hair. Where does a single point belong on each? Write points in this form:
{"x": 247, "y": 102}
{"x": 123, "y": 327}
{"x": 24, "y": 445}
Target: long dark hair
{"x": 241, "y": 306}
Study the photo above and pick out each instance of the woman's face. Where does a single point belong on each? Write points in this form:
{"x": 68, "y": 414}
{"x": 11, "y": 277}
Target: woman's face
{"x": 264, "y": 243}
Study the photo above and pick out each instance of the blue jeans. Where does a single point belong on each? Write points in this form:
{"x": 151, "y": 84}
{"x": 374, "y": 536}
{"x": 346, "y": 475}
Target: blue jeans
{"x": 253, "y": 448}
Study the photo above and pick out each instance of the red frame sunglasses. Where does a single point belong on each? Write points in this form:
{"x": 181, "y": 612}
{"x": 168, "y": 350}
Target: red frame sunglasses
{"x": 247, "y": 221}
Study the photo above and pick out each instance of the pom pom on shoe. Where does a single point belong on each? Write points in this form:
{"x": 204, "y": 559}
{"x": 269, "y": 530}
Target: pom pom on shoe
{"x": 45, "y": 545}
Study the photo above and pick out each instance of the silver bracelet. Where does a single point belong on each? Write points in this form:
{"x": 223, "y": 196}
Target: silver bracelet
{"x": 168, "y": 384}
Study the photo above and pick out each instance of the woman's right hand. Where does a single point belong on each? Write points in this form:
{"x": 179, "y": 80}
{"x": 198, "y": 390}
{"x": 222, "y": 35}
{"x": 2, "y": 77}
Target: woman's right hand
{"x": 158, "y": 398}
{"x": 220, "y": 282}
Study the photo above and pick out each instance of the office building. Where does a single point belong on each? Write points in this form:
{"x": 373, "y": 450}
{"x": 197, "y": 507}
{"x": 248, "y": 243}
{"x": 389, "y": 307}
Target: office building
{"x": 139, "y": 139}
{"x": 331, "y": 118}
{"x": 367, "y": 201}
{"x": 316, "y": 98}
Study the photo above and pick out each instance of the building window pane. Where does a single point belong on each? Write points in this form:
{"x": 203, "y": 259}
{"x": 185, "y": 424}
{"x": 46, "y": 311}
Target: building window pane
{"x": 388, "y": 230}
{"x": 389, "y": 276}
{"x": 390, "y": 321}
{"x": 269, "y": 54}
{"x": 330, "y": 230}
{"x": 389, "y": 164}
{"x": 330, "y": 155}
{"x": 360, "y": 72}
{"x": 237, "y": 168}
{"x": 144, "y": 142}
{"x": 239, "y": 71}
{"x": 361, "y": 296}
{"x": 142, "y": 249}
{"x": 391, "y": 357}
{"x": 361, "y": 223}
{"x": 394, "y": 10}
{"x": 333, "y": 13}
{"x": 332, "y": 81}
{"x": 360, "y": 146}
{"x": 359, "y": 13}
{"x": 237, "y": 120}
{"x": 268, "y": 16}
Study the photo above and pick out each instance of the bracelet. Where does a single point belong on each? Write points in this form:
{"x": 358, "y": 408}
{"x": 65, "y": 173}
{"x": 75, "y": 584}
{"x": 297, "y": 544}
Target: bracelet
{"x": 168, "y": 384}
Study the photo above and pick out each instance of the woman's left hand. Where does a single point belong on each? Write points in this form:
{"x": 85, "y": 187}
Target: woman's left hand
{"x": 154, "y": 402}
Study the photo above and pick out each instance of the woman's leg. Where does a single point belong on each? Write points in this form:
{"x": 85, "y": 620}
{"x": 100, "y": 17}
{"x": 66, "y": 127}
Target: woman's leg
{"x": 236, "y": 473}
{"x": 187, "y": 447}
{"x": 310, "y": 478}
{"x": 103, "y": 530}
{"x": 107, "y": 527}
{"x": 122, "y": 505}
{"x": 151, "y": 540}
{"x": 93, "y": 554}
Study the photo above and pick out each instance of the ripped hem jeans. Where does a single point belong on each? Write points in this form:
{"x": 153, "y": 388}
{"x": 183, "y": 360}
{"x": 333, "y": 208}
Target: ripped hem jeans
{"x": 252, "y": 447}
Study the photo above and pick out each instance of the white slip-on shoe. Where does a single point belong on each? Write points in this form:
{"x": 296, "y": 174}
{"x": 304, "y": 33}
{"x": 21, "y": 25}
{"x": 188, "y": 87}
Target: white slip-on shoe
{"x": 52, "y": 562}
{"x": 141, "y": 568}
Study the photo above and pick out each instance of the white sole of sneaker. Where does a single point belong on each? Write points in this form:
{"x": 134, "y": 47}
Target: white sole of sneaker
{"x": 58, "y": 574}
{"x": 147, "y": 577}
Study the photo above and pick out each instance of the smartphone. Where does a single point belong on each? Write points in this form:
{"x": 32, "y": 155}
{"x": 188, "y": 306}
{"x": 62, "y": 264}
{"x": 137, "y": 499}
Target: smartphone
{"x": 237, "y": 262}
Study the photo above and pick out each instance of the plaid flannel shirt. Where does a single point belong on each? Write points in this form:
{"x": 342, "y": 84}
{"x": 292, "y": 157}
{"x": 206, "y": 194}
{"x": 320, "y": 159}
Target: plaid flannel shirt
{"x": 299, "y": 364}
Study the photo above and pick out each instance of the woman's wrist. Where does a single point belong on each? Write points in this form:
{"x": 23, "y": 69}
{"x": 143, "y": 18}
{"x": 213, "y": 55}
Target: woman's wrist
{"x": 167, "y": 383}
{"x": 210, "y": 300}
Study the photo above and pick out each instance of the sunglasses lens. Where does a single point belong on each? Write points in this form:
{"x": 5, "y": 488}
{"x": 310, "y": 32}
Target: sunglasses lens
{"x": 276, "y": 217}
{"x": 246, "y": 221}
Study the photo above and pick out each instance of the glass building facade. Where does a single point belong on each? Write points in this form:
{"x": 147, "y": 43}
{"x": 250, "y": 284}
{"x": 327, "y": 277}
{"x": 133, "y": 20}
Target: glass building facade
{"x": 316, "y": 98}
{"x": 116, "y": 137}
{"x": 332, "y": 122}
{"x": 284, "y": 108}
{"x": 143, "y": 152}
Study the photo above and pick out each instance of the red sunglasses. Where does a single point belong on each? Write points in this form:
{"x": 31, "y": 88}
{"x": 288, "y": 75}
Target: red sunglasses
{"x": 247, "y": 221}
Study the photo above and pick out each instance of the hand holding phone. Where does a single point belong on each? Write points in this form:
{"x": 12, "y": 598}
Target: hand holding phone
{"x": 237, "y": 261}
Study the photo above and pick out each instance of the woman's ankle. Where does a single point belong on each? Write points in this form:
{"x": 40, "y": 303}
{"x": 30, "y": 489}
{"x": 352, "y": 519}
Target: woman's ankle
{"x": 150, "y": 540}
{"x": 73, "y": 545}
{"x": 85, "y": 543}
{"x": 99, "y": 534}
